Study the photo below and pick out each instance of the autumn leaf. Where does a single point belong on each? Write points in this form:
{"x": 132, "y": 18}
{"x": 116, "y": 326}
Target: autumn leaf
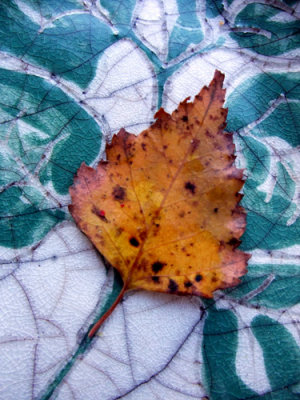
{"x": 163, "y": 209}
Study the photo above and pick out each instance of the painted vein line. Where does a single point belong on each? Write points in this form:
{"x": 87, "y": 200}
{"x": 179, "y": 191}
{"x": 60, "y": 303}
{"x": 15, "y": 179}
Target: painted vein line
{"x": 154, "y": 375}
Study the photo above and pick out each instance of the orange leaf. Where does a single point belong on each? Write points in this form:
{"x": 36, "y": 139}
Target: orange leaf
{"x": 163, "y": 209}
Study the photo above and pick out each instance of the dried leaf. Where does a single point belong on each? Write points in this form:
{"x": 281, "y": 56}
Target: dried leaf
{"x": 163, "y": 209}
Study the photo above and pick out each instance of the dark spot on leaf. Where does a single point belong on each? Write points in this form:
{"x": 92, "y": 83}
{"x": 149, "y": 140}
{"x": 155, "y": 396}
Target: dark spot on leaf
{"x": 185, "y": 118}
{"x": 214, "y": 279}
{"x": 234, "y": 242}
{"x": 99, "y": 213}
{"x": 198, "y": 278}
{"x": 157, "y": 266}
{"x": 190, "y": 186}
{"x": 216, "y": 210}
{"x": 143, "y": 146}
{"x": 173, "y": 287}
{"x": 118, "y": 193}
{"x": 134, "y": 242}
{"x": 155, "y": 279}
{"x": 188, "y": 284}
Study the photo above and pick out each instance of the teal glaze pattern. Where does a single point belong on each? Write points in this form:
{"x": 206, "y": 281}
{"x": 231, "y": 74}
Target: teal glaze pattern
{"x": 48, "y": 9}
{"x": 261, "y": 34}
{"x": 120, "y": 13}
{"x": 275, "y": 339}
{"x": 70, "y": 73}
{"x": 187, "y": 29}
{"x": 278, "y": 293}
{"x": 220, "y": 339}
{"x": 214, "y": 8}
{"x": 62, "y": 48}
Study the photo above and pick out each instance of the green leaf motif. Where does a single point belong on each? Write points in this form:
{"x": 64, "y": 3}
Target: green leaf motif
{"x": 54, "y": 7}
{"x": 281, "y": 354}
{"x": 254, "y": 96}
{"x": 44, "y": 135}
{"x": 268, "y": 222}
{"x": 256, "y": 30}
{"x": 271, "y": 191}
{"x": 62, "y": 47}
{"x": 120, "y": 13}
{"x": 25, "y": 216}
{"x": 219, "y": 352}
{"x": 269, "y": 285}
{"x": 187, "y": 29}
{"x": 214, "y": 8}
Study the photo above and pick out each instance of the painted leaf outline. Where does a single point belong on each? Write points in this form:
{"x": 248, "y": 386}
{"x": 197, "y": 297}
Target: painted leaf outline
{"x": 163, "y": 209}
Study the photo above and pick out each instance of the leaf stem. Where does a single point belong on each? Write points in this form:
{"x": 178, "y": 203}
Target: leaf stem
{"x": 100, "y": 321}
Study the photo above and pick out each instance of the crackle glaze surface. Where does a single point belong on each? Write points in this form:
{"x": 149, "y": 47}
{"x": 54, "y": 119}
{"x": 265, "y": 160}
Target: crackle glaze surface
{"x": 73, "y": 73}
